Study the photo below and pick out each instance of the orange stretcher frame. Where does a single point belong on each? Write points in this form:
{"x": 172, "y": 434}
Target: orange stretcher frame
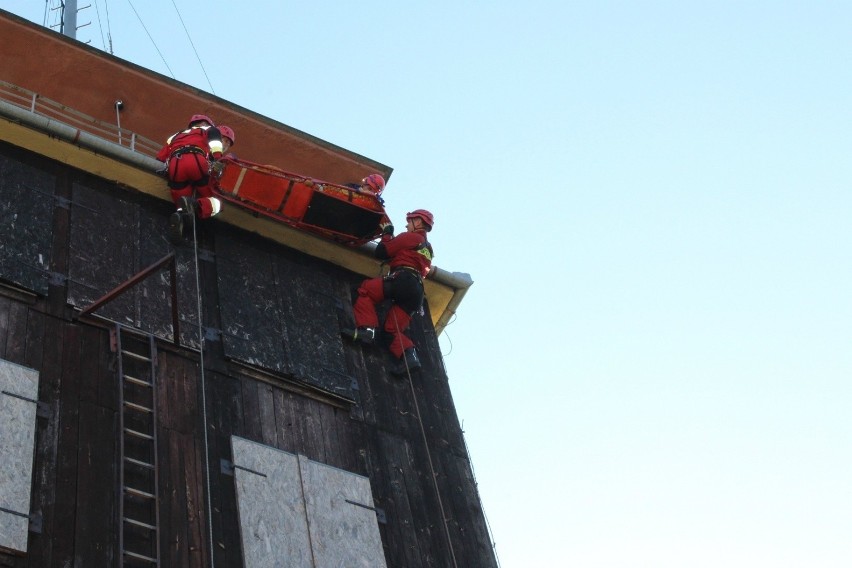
{"x": 342, "y": 214}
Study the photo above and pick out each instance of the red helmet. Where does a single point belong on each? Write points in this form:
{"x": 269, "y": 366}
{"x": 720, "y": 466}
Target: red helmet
{"x": 374, "y": 182}
{"x": 201, "y": 118}
{"x": 228, "y": 133}
{"x": 423, "y": 215}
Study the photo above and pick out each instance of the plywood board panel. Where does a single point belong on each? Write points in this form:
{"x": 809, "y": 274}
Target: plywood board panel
{"x": 273, "y": 519}
{"x": 19, "y": 386}
{"x": 298, "y": 512}
{"x": 344, "y": 530}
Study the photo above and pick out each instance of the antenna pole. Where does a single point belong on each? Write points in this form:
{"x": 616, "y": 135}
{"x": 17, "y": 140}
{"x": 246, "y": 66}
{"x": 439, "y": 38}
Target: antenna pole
{"x": 69, "y": 18}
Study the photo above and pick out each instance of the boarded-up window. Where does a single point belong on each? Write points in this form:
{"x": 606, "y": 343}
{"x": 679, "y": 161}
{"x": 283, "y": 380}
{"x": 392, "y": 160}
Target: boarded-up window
{"x": 300, "y": 513}
{"x": 18, "y": 393}
{"x": 26, "y": 224}
{"x": 112, "y": 239}
{"x": 280, "y": 315}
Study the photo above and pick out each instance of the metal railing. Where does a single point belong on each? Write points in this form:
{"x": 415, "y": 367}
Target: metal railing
{"x": 54, "y": 110}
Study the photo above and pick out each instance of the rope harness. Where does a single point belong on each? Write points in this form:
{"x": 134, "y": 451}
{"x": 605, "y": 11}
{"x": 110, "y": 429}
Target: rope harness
{"x": 182, "y": 151}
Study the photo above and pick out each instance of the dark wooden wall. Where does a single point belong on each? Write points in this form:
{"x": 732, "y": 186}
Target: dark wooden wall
{"x": 318, "y": 396}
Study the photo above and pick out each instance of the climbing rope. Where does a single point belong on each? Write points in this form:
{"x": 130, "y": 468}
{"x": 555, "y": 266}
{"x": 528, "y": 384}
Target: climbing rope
{"x": 203, "y": 391}
{"x": 426, "y": 445}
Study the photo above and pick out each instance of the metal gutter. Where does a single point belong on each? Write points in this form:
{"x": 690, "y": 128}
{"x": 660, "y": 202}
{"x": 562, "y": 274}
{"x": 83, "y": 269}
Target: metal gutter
{"x": 459, "y": 282}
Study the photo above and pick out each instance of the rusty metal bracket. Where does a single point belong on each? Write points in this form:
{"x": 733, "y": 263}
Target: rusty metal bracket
{"x": 56, "y": 279}
{"x": 36, "y": 522}
{"x": 229, "y": 468}
{"x": 166, "y": 261}
{"x": 212, "y": 334}
{"x": 380, "y": 513}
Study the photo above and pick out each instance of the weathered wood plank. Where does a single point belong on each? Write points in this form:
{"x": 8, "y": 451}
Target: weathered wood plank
{"x": 42, "y": 341}
{"x": 90, "y": 363}
{"x": 5, "y": 309}
{"x": 226, "y": 418}
{"x": 177, "y": 394}
{"x": 473, "y": 537}
{"x": 107, "y": 382}
{"x": 400, "y": 534}
{"x": 422, "y": 498}
{"x": 174, "y": 535}
{"x": 65, "y": 502}
{"x": 196, "y": 502}
{"x": 44, "y": 352}
{"x": 266, "y": 413}
{"x": 290, "y": 435}
{"x": 311, "y": 427}
{"x": 8, "y": 560}
{"x": 252, "y": 428}
{"x": 340, "y": 450}
{"x": 96, "y": 524}
{"x": 16, "y": 339}
{"x": 184, "y": 536}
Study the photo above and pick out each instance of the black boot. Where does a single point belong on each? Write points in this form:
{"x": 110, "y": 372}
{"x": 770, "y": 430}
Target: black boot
{"x": 409, "y": 362}
{"x": 365, "y": 335}
{"x": 176, "y": 227}
{"x": 187, "y": 204}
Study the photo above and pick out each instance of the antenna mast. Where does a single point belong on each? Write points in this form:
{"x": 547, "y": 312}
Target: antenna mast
{"x": 69, "y": 19}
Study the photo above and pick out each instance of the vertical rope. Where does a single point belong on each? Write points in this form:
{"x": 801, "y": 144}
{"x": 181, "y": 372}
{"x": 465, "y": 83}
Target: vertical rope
{"x": 426, "y": 445}
{"x": 203, "y": 393}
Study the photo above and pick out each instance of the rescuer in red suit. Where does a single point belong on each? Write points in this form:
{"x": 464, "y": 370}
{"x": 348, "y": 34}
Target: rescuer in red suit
{"x": 373, "y": 184}
{"x": 409, "y": 257}
{"x": 189, "y": 156}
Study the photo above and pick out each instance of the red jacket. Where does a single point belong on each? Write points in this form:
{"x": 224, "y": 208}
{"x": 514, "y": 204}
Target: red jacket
{"x": 410, "y": 249}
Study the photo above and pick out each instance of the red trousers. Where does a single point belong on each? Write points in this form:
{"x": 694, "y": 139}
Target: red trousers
{"x": 370, "y": 293}
{"x": 190, "y": 172}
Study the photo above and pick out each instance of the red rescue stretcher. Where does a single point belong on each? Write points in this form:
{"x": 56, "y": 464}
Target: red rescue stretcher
{"x": 340, "y": 213}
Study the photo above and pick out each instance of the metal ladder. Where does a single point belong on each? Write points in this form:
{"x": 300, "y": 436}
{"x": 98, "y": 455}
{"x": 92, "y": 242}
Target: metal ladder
{"x": 139, "y": 505}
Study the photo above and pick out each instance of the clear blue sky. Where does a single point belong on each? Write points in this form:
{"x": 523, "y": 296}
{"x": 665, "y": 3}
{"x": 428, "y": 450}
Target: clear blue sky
{"x": 653, "y": 365}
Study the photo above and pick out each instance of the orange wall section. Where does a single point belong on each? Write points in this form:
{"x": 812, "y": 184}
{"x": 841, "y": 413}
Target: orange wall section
{"x": 90, "y": 81}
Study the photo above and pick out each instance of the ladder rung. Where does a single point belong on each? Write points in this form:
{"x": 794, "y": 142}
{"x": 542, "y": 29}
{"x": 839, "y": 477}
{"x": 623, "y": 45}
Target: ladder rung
{"x": 136, "y": 381}
{"x": 138, "y": 434}
{"x": 139, "y": 463}
{"x": 138, "y": 407}
{"x": 136, "y": 356}
{"x": 140, "y": 493}
{"x": 139, "y": 524}
{"x": 141, "y": 557}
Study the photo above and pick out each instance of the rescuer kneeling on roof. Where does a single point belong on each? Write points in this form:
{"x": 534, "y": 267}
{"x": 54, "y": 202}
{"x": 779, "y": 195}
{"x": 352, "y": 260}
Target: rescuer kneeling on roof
{"x": 190, "y": 157}
{"x": 409, "y": 256}
{"x": 373, "y": 184}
